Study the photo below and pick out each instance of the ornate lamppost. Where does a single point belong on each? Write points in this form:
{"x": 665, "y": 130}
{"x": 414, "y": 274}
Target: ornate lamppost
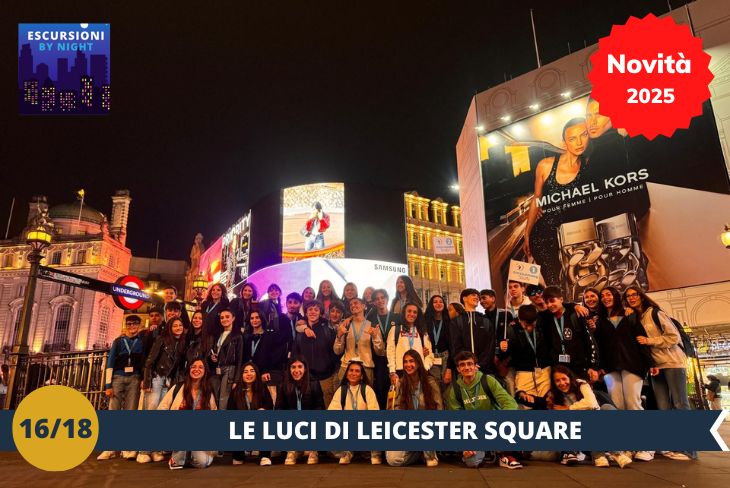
{"x": 38, "y": 236}
{"x": 200, "y": 284}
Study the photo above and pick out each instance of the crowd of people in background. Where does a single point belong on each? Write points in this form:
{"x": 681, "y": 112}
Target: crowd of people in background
{"x": 315, "y": 350}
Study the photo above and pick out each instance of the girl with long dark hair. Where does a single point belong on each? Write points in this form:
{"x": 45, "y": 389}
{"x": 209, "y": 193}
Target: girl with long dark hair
{"x": 194, "y": 393}
{"x": 260, "y": 346}
{"x": 437, "y": 327}
{"x": 243, "y": 305}
{"x": 418, "y": 390}
{"x": 198, "y": 341}
{"x": 298, "y": 392}
{"x": 355, "y": 393}
{"x": 215, "y": 301}
{"x": 326, "y": 294}
{"x": 405, "y": 292}
{"x": 251, "y": 394}
{"x": 411, "y": 335}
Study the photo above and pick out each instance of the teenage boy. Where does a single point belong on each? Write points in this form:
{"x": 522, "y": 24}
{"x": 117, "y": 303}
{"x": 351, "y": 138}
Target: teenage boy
{"x": 530, "y": 354}
{"x": 169, "y": 296}
{"x": 534, "y": 293}
{"x": 384, "y": 319}
{"x": 357, "y": 338}
{"x": 570, "y": 342}
{"x": 504, "y": 324}
{"x": 474, "y": 390}
{"x": 288, "y": 325}
{"x": 316, "y": 345}
{"x": 473, "y": 332}
{"x": 517, "y": 297}
{"x": 124, "y": 369}
{"x": 155, "y": 327}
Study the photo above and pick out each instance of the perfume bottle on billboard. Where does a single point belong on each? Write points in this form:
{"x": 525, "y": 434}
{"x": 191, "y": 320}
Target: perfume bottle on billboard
{"x": 622, "y": 252}
{"x": 581, "y": 255}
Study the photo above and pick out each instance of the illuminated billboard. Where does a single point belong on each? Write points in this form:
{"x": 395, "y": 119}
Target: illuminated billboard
{"x": 313, "y": 222}
{"x": 295, "y": 276}
{"x": 210, "y": 262}
{"x": 235, "y": 251}
{"x": 596, "y": 208}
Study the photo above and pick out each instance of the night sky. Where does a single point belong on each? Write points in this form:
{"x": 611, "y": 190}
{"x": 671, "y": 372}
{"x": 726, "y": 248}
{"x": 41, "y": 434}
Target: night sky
{"x": 219, "y": 104}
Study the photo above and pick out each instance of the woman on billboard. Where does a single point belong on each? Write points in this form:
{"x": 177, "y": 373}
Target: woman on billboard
{"x": 315, "y": 227}
{"x": 553, "y": 176}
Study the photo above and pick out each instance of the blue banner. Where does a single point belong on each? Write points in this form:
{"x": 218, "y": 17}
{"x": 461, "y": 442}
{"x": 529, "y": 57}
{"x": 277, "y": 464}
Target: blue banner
{"x": 402, "y": 430}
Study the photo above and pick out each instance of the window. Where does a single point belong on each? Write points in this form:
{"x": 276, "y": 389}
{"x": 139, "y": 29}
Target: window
{"x": 414, "y": 241}
{"x": 60, "y": 329}
{"x": 16, "y": 325}
{"x": 435, "y": 215}
{"x": 416, "y": 269}
{"x": 64, "y": 289}
{"x": 104, "y": 325}
{"x": 422, "y": 240}
{"x": 80, "y": 257}
{"x": 459, "y": 248}
{"x": 21, "y": 290}
{"x": 56, "y": 257}
{"x": 8, "y": 260}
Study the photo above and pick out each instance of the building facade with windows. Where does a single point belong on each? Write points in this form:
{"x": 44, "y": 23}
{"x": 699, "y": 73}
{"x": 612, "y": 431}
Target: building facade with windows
{"x": 66, "y": 318}
{"x": 434, "y": 246}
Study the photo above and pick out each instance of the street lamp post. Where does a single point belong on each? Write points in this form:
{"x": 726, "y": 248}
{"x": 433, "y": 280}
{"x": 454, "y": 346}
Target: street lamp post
{"x": 38, "y": 236}
{"x": 200, "y": 284}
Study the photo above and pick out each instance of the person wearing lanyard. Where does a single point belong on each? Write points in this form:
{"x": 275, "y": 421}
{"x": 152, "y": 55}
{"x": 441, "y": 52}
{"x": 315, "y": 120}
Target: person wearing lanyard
{"x": 385, "y": 320}
{"x": 472, "y": 331}
{"x": 355, "y": 393}
{"x": 530, "y": 356}
{"x": 288, "y": 325}
{"x": 251, "y": 394}
{"x": 316, "y": 344}
{"x": 227, "y": 357}
{"x": 418, "y": 391}
{"x": 299, "y": 392}
{"x": 243, "y": 305}
{"x": 356, "y": 337}
{"x": 571, "y": 344}
{"x": 193, "y": 394}
{"x": 216, "y": 301}
{"x": 409, "y": 336}
{"x": 260, "y": 346}
{"x": 505, "y": 327}
{"x": 123, "y": 373}
{"x": 437, "y": 327}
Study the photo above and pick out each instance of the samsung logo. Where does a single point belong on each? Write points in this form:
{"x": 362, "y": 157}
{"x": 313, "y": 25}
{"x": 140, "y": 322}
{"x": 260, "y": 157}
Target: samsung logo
{"x": 390, "y": 267}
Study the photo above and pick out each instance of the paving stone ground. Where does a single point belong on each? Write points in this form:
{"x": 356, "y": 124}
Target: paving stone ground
{"x": 712, "y": 469}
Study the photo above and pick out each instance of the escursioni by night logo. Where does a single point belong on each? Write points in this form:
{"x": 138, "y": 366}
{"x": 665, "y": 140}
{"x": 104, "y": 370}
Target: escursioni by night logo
{"x": 64, "y": 69}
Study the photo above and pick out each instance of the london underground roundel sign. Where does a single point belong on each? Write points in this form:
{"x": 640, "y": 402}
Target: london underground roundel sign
{"x": 128, "y": 293}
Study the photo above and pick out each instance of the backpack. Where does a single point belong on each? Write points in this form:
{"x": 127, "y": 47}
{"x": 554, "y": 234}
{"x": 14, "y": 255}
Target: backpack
{"x": 686, "y": 341}
{"x": 485, "y": 387}
{"x": 343, "y": 394}
{"x": 397, "y": 335}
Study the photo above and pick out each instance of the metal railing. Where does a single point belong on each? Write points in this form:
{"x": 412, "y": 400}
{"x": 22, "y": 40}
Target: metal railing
{"x": 82, "y": 371}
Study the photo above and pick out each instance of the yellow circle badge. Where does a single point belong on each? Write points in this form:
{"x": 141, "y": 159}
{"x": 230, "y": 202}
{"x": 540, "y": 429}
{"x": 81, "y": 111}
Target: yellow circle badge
{"x": 55, "y": 428}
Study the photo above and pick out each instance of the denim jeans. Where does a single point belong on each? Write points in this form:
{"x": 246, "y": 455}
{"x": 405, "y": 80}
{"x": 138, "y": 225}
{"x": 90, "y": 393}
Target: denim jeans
{"x": 670, "y": 389}
{"x": 222, "y": 384}
{"x": 475, "y": 460}
{"x": 625, "y": 389}
{"x": 198, "y": 459}
{"x": 314, "y": 241}
{"x": 126, "y": 393}
{"x": 159, "y": 390}
{"x": 404, "y": 458}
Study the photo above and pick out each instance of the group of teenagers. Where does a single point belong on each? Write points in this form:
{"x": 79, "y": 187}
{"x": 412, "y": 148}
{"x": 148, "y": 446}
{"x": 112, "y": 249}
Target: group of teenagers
{"x": 317, "y": 350}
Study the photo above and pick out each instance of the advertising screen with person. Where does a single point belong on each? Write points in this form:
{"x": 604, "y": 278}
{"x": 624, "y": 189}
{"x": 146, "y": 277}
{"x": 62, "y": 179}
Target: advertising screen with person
{"x": 313, "y": 221}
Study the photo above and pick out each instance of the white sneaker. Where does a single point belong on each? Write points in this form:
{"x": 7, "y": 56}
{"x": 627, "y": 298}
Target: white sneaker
{"x": 432, "y": 462}
{"x": 129, "y": 454}
{"x": 158, "y": 457}
{"x": 265, "y": 461}
{"x": 645, "y": 456}
{"x": 345, "y": 459}
{"x": 314, "y": 457}
{"x": 106, "y": 455}
{"x": 144, "y": 458}
{"x": 677, "y": 456}
{"x": 600, "y": 462}
{"x": 623, "y": 460}
{"x": 291, "y": 458}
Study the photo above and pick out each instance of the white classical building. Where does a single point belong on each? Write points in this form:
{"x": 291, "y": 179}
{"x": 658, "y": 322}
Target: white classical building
{"x": 66, "y": 318}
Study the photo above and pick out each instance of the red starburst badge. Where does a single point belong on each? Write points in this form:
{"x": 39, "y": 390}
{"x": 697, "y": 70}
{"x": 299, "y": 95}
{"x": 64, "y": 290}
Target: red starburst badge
{"x": 650, "y": 76}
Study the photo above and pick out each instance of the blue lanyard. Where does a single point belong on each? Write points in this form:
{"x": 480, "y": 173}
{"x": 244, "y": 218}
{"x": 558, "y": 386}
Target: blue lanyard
{"x": 437, "y": 334}
{"x": 255, "y": 343}
{"x": 299, "y": 398}
{"x": 245, "y": 397}
{"x": 196, "y": 402}
{"x": 416, "y": 396}
{"x": 211, "y": 307}
{"x": 532, "y": 341}
{"x": 384, "y": 328}
{"x": 357, "y": 334}
{"x": 411, "y": 338}
{"x": 353, "y": 397}
{"x": 560, "y": 329}
{"x": 126, "y": 344}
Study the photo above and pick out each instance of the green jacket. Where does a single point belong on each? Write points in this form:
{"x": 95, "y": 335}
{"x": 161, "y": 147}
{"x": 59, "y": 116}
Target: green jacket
{"x": 475, "y": 398}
